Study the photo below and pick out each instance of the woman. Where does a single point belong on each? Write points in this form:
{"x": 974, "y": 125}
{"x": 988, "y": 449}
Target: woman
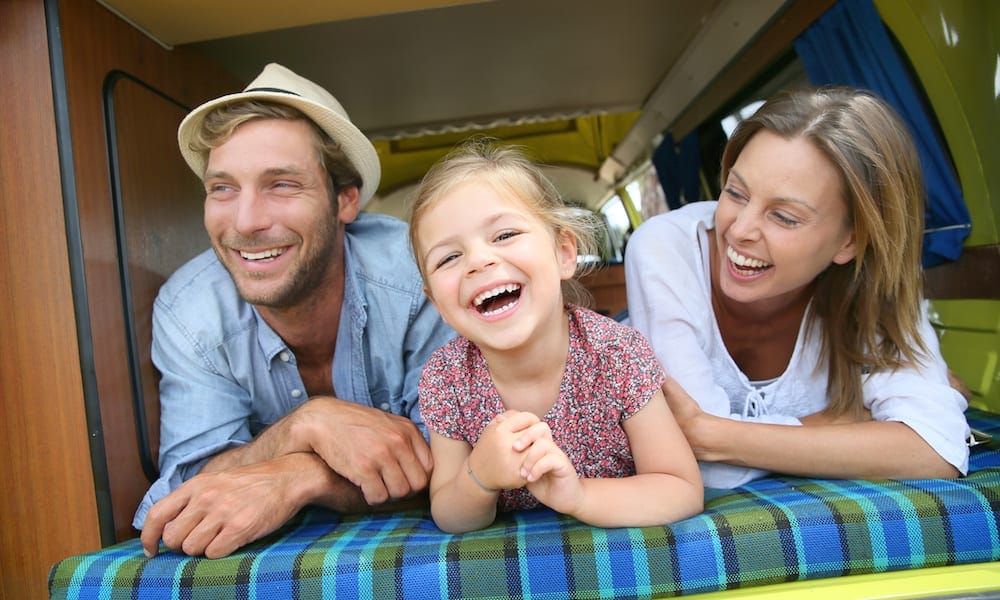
{"x": 789, "y": 313}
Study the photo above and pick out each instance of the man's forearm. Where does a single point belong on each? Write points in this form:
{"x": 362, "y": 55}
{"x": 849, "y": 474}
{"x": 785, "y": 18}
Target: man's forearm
{"x": 384, "y": 455}
{"x": 275, "y": 441}
{"x": 310, "y": 481}
{"x": 314, "y": 483}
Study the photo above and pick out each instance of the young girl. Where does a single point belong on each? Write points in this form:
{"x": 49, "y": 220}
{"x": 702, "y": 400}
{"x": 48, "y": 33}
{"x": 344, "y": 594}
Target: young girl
{"x": 538, "y": 400}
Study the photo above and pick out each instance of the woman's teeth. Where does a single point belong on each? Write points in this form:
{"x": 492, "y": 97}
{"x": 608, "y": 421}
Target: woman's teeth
{"x": 745, "y": 261}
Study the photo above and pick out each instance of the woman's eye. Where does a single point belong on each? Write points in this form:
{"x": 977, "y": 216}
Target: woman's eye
{"x": 785, "y": 220}
{"x": 735, "y": 194}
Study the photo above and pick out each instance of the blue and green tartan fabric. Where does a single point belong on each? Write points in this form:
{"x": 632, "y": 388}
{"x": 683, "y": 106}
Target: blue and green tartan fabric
{"x": 773, "y": 530}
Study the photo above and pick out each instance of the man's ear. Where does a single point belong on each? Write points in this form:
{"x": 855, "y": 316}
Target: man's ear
{"x": 566, "y": 251}
{"x": 348, "y": 204}
{"x": 847, "y": 252}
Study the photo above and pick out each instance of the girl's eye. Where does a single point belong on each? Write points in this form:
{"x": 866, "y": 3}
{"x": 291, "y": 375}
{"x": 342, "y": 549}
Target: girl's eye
{"x": 505, "y": 235}
{"x": 445, "y": 260}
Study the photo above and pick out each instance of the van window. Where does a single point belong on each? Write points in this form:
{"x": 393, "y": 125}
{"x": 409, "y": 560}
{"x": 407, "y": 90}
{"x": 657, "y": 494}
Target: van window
{"x": 619, "y": 228}
{"x": 647, "y": 199}
{"x": 730, "y": 121}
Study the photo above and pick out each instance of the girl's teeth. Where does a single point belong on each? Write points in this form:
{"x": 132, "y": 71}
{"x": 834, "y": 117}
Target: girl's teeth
{"x": 510, "y": 287}
{"x": 499, "y": 310}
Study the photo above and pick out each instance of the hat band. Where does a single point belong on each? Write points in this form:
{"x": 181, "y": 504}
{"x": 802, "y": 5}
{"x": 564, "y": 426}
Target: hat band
{"x": 270, "y": 89}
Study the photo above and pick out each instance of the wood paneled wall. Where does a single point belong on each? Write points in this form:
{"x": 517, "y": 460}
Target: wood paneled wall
{"x": 97, "y": 44}
{"x": 607, "y": 287}
{"x": 49, "y": 508}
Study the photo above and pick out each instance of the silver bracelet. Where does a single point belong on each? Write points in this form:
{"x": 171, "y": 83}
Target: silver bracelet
{"x": 468, "y": 469}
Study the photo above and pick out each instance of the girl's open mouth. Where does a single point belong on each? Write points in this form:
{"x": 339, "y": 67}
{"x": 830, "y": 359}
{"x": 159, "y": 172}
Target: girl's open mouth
{"x": 500, "y": 299}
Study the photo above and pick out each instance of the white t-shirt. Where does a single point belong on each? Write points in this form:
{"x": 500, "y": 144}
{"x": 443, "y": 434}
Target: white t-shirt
{"x": 669, "y": 301}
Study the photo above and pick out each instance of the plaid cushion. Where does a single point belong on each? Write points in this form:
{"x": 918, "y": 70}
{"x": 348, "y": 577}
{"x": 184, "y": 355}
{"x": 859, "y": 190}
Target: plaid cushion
{"x": 773, "y": 530}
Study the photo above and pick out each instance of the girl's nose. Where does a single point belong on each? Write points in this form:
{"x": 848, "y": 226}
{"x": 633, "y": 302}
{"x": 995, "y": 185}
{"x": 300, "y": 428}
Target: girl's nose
{"x": 479, "y": 257}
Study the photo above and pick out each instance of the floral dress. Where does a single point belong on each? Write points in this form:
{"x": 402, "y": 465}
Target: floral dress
{"x": 611, "y": 373}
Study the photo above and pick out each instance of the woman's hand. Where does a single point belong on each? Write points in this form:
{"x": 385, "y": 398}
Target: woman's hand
{"x": 693, "y": 421}
{"x": 686, "y": 411}
{"x": 956, "y": 382}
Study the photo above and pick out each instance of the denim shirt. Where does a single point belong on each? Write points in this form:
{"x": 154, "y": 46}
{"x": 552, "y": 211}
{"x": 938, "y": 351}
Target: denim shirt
{"x": 226, "y": 375}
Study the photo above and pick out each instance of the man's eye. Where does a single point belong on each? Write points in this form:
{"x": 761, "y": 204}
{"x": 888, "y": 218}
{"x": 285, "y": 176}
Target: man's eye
{"x": 219, "y": 188}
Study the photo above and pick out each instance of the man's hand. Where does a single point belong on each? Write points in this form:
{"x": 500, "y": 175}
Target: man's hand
{"x": 216, "y": 513}
{"x": 383, "y": 454}
{"x": 321, "y": 453}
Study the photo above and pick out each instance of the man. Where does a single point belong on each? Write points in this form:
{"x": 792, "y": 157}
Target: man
{"x": 290, "y": 354}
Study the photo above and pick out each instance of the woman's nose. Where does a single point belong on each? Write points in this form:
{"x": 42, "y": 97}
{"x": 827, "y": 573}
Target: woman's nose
{"x": 746, "y": 225}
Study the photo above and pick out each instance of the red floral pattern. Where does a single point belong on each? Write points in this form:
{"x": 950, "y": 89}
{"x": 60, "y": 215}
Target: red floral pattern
{"x": 611, "y": 373}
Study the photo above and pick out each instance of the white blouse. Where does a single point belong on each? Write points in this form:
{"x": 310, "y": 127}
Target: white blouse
{"x": 669, "y": 301}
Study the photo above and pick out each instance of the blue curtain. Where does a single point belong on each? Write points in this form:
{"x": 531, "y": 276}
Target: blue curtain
{"x": 849, "y": 45}
{"x": 677, "y": 167}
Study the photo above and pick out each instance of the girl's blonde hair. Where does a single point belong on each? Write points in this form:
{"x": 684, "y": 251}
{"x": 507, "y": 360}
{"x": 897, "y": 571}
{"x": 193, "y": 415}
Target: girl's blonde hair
{"x": 508, "y": 169}
{"x": 870, "y": 307}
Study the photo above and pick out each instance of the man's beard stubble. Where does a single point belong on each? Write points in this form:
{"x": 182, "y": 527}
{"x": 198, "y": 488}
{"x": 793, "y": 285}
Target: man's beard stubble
{"x": 305, "y": 276}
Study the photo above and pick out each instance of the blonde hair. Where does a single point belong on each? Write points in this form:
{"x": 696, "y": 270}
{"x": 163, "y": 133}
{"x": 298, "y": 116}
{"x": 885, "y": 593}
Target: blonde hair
{"x": 869, "y": 307}
{"x": 508, "y": 169}
{"x": 220, "y": 124}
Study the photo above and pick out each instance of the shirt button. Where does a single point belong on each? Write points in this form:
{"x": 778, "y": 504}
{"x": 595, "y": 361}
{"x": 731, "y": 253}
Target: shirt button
{"x": 284, "y": 356}
{"x": 384, "y": 406}
{"x": 296, "y": 393}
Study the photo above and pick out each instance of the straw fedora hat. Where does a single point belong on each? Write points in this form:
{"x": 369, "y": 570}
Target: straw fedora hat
{"x": 279, "y": 84}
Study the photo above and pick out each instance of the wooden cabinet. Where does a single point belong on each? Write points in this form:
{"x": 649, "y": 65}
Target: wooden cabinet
{"x": 70, "y": 463}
